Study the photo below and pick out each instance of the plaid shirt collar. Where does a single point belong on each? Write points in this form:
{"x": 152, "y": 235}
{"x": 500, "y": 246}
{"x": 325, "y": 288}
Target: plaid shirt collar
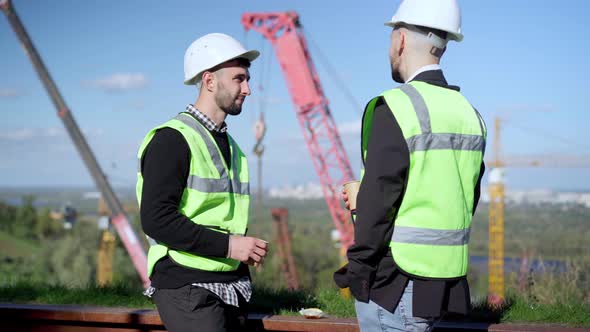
{"x": 205, "y": 120}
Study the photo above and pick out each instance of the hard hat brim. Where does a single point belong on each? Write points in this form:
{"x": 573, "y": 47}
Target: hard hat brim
{"x": 452, "y": 35}
{"x": 250, "y": 55}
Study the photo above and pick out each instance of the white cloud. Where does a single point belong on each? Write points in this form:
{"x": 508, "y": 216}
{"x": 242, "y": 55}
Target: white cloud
{"x": 20, "y": 134}
{"x": 54, "y": 132}
{"x": 121, "y": 82}
{"x": 23, "y": 134}
{"x": 9, "y": 93}
{"x": 350, "y": 128}
{"x": 92, "y": 132}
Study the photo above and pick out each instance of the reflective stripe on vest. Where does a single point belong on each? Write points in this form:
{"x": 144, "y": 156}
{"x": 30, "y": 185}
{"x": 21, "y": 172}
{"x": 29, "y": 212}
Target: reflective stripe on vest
{"x": 217, "y": 201}
{"x": 432, "y": 225}
{"x": 435, "y": 141}
{"x": 211, "y": 185}
{"x": 439, "y": 141}
{"x": 435, "y": 237}
{"x": 214, "y": 185}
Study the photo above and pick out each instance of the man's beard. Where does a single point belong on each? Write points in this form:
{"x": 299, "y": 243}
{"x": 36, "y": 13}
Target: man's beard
{"x": 227, "y": 102}
{"x": 396, "y": 76}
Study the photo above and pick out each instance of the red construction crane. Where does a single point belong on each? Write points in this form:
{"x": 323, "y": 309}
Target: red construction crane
{"x": 329, "y": 158}
{"x": 283, "y": 243}
{"x": 119, "y": 219}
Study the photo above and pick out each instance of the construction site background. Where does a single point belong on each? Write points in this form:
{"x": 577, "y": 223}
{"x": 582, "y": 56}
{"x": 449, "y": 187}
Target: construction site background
{"x": 544, "y": 258}
{"x": 528, "y": 243}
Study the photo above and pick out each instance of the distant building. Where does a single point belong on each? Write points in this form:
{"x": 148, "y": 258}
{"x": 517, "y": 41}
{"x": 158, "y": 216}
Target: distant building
{"x": 91, "y": 195}
{"x": 542, "y": 196}
{"x": 313, "y": 190}
{"x": 309, "y": 190}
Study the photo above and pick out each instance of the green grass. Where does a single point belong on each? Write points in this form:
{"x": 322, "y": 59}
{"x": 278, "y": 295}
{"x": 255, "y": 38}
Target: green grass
{"x": 111, "y": 296}
{"x": 281, "y": 301}
{"x": 518, "y": 310}
{"x": 14, "y": 247}
{"x": 570, "y": 314}
{"x": 264, "y": 300}
{"x": 286, "y": 302}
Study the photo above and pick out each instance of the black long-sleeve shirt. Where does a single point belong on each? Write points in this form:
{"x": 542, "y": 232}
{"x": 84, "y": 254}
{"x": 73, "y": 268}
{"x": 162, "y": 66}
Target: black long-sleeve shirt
{"x": 371, "y": 272}
{"x": 165, "y": 169}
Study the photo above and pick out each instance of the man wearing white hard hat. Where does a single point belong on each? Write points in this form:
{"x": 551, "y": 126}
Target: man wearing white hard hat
{"x": 422, "y": 147}
{"x": 193, "y": 191}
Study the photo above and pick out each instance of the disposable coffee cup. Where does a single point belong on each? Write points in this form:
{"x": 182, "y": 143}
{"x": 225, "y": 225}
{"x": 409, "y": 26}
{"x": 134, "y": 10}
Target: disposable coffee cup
{"x": 352, "y": 189}
{"x": 256, "y": 264}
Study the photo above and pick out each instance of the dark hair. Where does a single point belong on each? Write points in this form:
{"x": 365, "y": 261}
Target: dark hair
{"x": 436, "y": 32}
{"x": 243, "y": 62}
{"x": 423, "y": 29}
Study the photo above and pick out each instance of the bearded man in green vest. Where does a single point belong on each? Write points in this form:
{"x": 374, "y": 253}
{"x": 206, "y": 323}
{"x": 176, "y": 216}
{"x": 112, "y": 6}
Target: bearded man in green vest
{"x": 193, "y": 191}
{"x": 422, "y": 146}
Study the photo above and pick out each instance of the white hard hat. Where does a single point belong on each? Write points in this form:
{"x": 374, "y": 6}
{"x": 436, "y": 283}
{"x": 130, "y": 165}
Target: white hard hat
{"x": 443, "y": 15}
{"x": 209, "y": 51}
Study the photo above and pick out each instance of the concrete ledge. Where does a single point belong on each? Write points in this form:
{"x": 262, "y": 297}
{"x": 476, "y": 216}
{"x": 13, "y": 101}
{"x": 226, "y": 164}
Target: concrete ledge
{"x": 69, "y": 318}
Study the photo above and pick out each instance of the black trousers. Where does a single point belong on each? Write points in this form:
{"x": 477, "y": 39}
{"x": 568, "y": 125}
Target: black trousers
{"x": 191, "y": 308}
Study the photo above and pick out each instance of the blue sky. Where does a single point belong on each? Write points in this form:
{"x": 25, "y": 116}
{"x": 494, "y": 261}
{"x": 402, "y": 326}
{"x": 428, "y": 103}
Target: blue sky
{"x": 119, "y": 67}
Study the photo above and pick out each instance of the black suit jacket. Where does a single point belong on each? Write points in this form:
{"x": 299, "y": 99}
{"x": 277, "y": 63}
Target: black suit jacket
{"x": 371, "y": 272}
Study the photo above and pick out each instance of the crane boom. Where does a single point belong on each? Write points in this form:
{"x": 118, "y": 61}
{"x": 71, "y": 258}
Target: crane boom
{"x": 329, "y": 158}
{"x": 497, "y": 194}
{"x": 119, "y": 220}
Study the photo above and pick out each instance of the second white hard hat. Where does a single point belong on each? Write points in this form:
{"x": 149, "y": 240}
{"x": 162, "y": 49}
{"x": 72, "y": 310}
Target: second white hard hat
{"x": 443, "y": 15}
{"x": 209, "y": 51}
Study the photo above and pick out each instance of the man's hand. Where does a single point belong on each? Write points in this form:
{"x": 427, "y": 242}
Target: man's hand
{"x": 249, "y": 250}
{"x": 345, "y": 198}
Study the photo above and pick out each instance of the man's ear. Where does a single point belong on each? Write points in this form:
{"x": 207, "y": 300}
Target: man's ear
{"x": 208, "y": 80}
{"x": 402, "y": 42}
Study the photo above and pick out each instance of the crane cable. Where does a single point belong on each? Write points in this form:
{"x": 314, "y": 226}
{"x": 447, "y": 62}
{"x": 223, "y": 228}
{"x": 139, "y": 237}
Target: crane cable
{"x": 547, "y": 134}
{"x": 334, "y": 75}
{"x": 259, "y": 125}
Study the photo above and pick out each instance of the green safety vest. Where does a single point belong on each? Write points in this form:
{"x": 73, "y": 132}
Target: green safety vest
{"x": 215, "y": 196}
{"x": 446, "y": 139}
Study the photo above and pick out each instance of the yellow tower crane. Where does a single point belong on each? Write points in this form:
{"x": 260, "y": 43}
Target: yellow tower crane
{"x": 496, "y": 290}
{"x": 106, "y": 249}
{"x": 496, "y": 223}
